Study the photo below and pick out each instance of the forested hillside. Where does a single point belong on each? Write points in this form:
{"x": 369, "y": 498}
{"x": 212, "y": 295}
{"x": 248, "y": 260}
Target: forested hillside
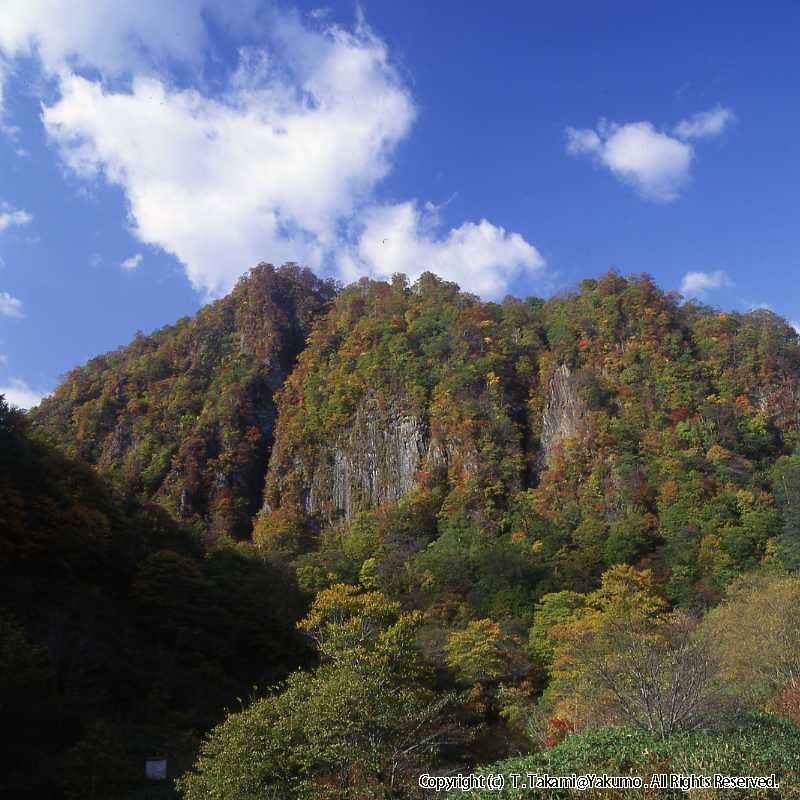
{"x": 120, "y": 632}
{"x": 480, "y": 506}
{"x": 544, "y": 441}
{"x": 185, "y": 416}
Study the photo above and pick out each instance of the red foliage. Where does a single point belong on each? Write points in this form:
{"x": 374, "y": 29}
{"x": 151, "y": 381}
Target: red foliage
{"x": 679, "y": 414}
{"x": 252, "y": 434}
{"x": 557, "y": 730}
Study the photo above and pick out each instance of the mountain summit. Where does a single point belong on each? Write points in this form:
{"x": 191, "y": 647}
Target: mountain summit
{"x": 185, "y": 416}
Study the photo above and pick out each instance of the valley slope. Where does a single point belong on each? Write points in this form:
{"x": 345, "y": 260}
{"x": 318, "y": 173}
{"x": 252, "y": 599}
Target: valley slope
{"x": 469, "y": 475}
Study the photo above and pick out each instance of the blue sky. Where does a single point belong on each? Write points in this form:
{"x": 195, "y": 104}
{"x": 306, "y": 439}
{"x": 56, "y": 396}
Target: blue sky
{"x": 151, "y": 153}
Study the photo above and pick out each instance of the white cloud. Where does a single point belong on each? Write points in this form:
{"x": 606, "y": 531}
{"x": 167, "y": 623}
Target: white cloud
{"x": 114, "y": 36}
{"x": 4, "y": 70}
{"x": 696, "y": 284}
{"x": 654, "y": 163}
{"x": 277, "y": 163}
{"x": 268, "y": 173}
{"x": 132, "y": 262}
{"x": 19, "y": 394}
{"x": 657, "y": 164}
{"x": 796, "y": 326}
{"x": 11, "y": 217}
{"x": 705, "y": 124}
{"x": 481, "y": 257}
{"x": 10, "y": 306}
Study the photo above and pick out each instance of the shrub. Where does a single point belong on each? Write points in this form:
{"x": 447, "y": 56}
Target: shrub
{"x": 755, "y": 745}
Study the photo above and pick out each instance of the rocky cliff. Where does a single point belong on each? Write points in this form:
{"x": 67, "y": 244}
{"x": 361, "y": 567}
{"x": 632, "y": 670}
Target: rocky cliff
{"x": 382, "y": 451}
{"x": 402, "y": 385}
{"x": 373, "y": 461}
{"x": 564, "y": 412}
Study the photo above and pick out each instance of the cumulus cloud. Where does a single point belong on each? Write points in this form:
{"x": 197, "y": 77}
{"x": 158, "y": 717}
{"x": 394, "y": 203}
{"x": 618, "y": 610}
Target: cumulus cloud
{"x": 19, "y": 394}
{"x": 402, "y": 238}
{"x": 276, "y": 163}
{"x": 705, "y": 124}
{"x": 10, "y": 306}
{"x": 656, "y": 164}
{"x": 268, "y": 172}
{"x": 115, "y": 36}
{"x": 11, "y": 217}
{"x": 132, "y": 262}
{"x": 697, "y": 284}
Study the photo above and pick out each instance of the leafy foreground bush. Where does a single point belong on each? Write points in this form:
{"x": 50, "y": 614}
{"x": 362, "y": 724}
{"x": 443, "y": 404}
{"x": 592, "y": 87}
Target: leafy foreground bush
{"x": 757, "y": 745}
{"x": 364, "y": 724}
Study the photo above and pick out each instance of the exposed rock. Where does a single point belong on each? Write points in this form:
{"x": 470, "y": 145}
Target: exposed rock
{"x": 183, "y": 504}
{"x": 376, "y": 460}
{"x": 564, "y": 411}
{"x": 220, "y": 479}
{"x": 119, "y": 443}
{"x": 372, "y": 463}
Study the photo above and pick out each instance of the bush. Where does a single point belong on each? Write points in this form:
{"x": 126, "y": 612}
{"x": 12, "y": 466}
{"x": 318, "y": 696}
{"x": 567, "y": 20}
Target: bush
{"x": 755, "y": 745}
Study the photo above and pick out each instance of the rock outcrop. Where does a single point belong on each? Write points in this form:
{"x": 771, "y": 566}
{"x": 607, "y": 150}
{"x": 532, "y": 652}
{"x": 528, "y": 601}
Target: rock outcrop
{"x": 564, "y": 412}
{"x": 374, "y": 461}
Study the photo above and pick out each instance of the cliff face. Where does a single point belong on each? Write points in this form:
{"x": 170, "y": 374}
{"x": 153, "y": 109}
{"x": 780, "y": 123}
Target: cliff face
{"x": 564, "y": 412}
{"x": 186, "y": 415}
{"x": 377, "y": 457}
{"x": 399, "y": 386}
{"x": 374, "y": 461}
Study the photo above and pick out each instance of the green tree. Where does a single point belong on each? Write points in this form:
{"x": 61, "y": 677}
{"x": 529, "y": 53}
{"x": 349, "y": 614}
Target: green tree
{"x": 756, "y": 633}
{"x": 364, "y": 723}
{"x": 623, "y": 658}
{"x": 786, "y": 487}
{"x": 553, "y": 609}
{"x": 482, "y": 651}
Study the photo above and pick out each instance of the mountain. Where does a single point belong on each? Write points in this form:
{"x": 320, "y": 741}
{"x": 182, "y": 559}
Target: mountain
{"x": 610, "y": 423}
{"x": 185, "y": 416}
{"x": 383, "y": 454}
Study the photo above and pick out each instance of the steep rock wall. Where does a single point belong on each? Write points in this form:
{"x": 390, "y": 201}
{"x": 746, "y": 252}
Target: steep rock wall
{"x": 564, "y": 412}
{"x": 374, "y": 461}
